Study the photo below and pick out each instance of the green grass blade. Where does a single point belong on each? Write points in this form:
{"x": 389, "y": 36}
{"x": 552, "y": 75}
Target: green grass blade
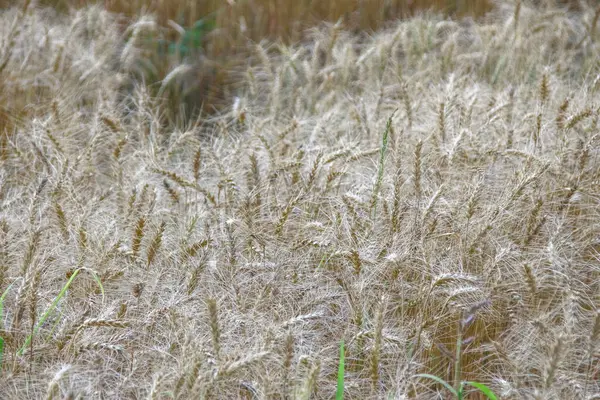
{"x": 438, "y": 380}
{"x": 484, "y": 389}
{"x": 48, "y": 311}
{"x": 339, "y": 394}
{"x": 98, "y": 281}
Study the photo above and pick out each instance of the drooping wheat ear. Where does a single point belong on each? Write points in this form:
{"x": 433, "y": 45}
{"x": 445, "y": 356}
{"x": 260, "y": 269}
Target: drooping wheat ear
{"x": 213, "y": 314}
{"x": 519, "y": 188}
{"x": 562, "y": 114}
{"x": 173, "y": 193}
{"x": 577, "y": 118}
{"x": 553, "y": 362}
{"x": 376, "y": 351}
{"x": 113, "y": 348}
{"x": 417, "y": 169}
{"x": 288, "y": 357}
{"x": 102, "y": 322}
{"x": 288, "y": 129}
{"x": 52, "y": 391}
{"x": 138, "y": 235}
{"x": 363, "y": 154}
{"x": 174, "y": 177}
{"x": 232, "y": 367}
{"x": 430, "y": 206}
{"x": 177, "y": 72}
{"x": 310, "y": 382}
{"x": 62, "y": 220}
{"x": 155, "y": 244}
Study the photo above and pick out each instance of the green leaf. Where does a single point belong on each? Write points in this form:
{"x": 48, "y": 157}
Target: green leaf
{"x": 484, "y": 389}
{"x": 204, "y": 25}
{"x": 193, "y": 38}
{"x": 438, "y": 380}
{"x": 339, "y": 394}
{"x": 98, "y": 281}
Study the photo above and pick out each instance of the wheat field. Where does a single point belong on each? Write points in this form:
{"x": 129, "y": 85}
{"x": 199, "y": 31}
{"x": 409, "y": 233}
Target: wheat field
{"x": 428, "y": 193}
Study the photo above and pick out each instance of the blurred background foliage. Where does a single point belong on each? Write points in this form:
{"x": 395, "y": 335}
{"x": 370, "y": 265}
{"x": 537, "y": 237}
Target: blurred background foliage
{"x": 217, "y": 37}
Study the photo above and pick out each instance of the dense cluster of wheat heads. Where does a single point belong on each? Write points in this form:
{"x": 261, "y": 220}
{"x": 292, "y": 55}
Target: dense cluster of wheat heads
{"x": 427, "y": 186}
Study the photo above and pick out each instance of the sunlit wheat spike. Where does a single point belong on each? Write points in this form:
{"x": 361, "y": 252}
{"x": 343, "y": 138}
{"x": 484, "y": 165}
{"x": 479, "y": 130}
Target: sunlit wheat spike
{"x": 214, "y": 325}
{"x": 138, "y": 235}
{"x": 155, "y": 244}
